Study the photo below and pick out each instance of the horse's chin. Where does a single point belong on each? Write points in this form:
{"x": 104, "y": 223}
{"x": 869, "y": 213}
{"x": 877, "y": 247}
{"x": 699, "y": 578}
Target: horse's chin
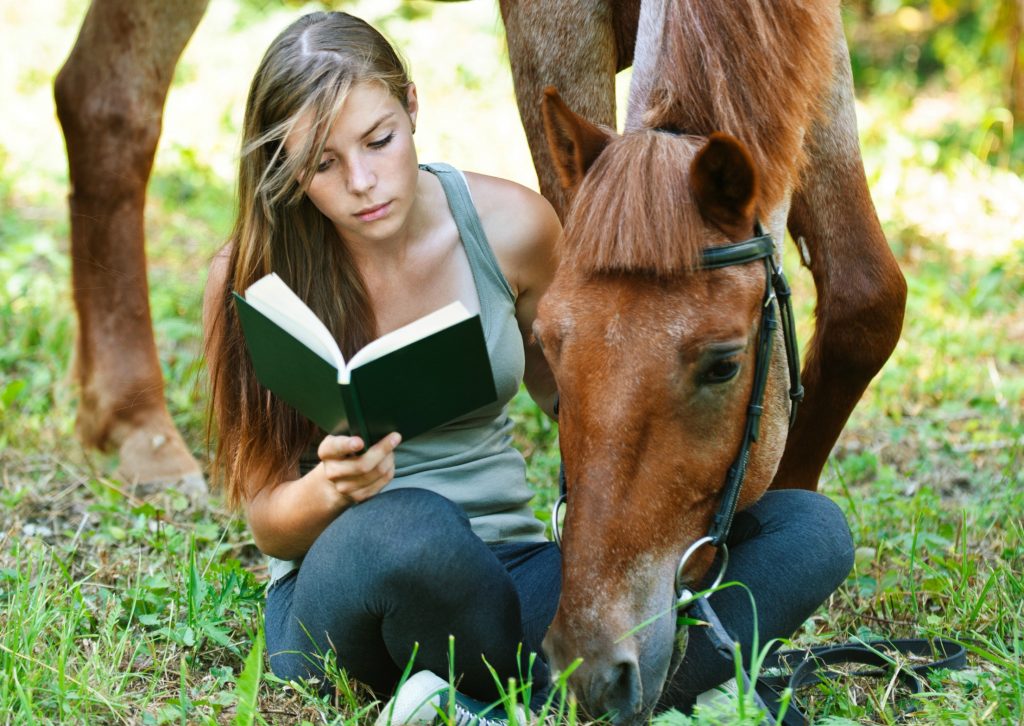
{"x": 682, "y": 638}
{"x": 678, "y": 651}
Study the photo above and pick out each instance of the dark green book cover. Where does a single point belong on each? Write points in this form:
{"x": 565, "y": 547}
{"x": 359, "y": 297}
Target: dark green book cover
{"x": 414, "y": 389}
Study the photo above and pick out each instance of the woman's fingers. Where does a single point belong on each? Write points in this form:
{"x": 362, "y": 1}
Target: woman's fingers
{"x": 353, "y": 473}
{"x": 361, "y": 495}
{"x": 339, "y": 447}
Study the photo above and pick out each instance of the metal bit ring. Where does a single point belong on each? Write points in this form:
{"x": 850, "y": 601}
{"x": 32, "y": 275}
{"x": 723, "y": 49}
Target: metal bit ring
{"x": 683, "y": 593}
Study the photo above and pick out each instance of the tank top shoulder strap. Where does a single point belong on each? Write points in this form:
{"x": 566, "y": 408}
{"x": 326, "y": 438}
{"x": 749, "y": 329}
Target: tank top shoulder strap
{"x": 481, "y": 257}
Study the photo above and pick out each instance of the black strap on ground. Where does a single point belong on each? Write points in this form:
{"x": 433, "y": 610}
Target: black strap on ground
{"x": 908, "y": 661}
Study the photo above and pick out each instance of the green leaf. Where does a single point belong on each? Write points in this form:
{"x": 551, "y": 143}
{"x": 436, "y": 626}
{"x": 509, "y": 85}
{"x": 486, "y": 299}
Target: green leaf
{"x": 188, "y": 637}
{"x": 218, "y": 635}
{"x": 11, "y": 391}
{"x": 150, "y": 619}
{"x": 248, "y": 684}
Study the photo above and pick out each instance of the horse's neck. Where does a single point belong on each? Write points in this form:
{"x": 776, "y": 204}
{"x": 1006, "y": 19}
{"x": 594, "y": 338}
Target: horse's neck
{"x": 649, "y": 37}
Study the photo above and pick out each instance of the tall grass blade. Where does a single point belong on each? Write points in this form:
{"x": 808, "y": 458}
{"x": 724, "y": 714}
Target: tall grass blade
{"x": 248, "y": 685}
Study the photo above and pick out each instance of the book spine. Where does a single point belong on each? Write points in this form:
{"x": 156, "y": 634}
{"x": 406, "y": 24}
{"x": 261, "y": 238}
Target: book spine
{"x": 356, "y": 421}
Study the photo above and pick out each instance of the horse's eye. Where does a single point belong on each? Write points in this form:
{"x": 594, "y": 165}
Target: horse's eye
{"x": 721, "y": 371}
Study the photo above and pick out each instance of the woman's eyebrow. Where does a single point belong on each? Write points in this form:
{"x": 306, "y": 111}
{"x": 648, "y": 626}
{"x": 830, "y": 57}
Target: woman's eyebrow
{"x": 379, "y": 121}
{"x": 369, "y": 132}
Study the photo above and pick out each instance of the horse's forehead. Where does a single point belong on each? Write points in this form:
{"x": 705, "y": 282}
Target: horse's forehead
{"x": 618, "y": 310}
{"x": 626, "y": 308}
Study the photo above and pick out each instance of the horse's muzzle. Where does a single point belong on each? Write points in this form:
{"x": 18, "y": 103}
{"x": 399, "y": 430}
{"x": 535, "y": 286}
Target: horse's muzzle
{"x": 622, "y": 684}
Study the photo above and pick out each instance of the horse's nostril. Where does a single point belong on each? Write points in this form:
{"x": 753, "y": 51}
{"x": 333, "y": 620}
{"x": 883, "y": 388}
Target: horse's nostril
{"x": 621, "y": 697}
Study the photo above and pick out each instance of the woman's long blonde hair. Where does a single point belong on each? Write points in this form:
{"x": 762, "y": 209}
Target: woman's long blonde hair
{"x": 305, "y": 74}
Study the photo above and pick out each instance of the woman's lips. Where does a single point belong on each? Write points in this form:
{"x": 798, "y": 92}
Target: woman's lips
{"x": 369, "y": 214}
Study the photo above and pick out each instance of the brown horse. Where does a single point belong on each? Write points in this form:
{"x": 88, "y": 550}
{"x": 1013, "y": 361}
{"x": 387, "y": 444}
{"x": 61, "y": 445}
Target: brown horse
{"x": 740, "y": 113}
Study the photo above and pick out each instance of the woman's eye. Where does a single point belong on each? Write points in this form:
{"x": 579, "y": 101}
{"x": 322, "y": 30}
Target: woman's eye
{"x": 324, "y": 165}
{"x": 381, "y": 143}
{"x": 721, "y": 371}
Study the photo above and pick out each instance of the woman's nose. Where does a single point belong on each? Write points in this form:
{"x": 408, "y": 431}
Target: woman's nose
{"x": 361, "y": 177}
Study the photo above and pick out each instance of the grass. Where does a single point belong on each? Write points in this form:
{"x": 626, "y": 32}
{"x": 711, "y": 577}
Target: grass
{"x": 118, "y": 610}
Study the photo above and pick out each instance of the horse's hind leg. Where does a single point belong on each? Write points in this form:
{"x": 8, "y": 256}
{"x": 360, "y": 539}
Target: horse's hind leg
{"x": 861, "y": 291}
{"x": 110, "y": 95}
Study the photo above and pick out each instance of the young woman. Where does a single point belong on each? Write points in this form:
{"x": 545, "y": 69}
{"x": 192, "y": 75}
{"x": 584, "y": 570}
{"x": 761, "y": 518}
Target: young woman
{"x": 385, "y": 553}
{"x": 332, "y": 199}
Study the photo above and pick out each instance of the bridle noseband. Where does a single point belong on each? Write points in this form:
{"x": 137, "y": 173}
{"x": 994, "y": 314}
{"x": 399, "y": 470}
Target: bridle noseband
{"x": 759, "y": 247}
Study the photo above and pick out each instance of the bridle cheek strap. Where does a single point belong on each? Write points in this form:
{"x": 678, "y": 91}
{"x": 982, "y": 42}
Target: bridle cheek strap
{"x": 777, "y": 293}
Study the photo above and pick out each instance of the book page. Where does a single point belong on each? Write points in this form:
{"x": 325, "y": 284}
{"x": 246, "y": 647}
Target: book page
{"x": 272, "y": 297}
{"x": 427, "y": 325}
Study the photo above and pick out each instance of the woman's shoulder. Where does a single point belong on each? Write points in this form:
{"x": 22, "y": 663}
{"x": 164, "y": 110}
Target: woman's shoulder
{"x": 217, "y": 270}
{"x": 520, "y": 224}
{"x": 216, "y": 279}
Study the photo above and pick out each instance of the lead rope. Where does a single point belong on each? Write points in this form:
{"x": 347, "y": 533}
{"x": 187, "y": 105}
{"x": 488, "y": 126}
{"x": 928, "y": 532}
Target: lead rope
{"x": 728, "y": 648}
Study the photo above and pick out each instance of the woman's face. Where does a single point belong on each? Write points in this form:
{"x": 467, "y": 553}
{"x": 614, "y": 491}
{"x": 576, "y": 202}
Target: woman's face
{"x": 366, "y": 181}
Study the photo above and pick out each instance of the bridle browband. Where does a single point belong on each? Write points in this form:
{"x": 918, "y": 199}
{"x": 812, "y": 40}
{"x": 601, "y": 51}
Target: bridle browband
{"x": 759, "y": 247}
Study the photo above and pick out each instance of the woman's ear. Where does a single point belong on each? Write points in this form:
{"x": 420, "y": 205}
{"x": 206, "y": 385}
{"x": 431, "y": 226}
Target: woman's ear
{"x": 412, "y": 104}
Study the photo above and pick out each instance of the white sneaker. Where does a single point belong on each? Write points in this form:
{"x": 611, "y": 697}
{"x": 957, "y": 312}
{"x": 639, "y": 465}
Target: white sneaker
{"x": 722, "y": 693}
{"x": 423, "y": 701}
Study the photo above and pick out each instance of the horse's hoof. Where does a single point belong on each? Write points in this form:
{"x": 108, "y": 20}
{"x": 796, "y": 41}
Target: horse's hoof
{"x": 154, "y": 461}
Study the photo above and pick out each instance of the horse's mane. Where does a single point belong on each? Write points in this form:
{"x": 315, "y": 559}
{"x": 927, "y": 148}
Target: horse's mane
{"x": 757, "y": 70}
{"x": 634, "y": 210}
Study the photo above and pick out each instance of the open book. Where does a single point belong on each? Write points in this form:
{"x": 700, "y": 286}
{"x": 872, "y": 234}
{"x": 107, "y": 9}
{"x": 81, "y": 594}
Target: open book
{"x": 410, "y": 380}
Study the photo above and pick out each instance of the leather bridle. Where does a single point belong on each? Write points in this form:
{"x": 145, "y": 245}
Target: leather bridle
{"x": 777, "y": 293}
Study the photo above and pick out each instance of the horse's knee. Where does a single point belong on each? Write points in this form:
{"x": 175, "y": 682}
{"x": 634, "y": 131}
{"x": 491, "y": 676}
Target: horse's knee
{"x": 858, "y": 329}
{"x": 110, "y": 129}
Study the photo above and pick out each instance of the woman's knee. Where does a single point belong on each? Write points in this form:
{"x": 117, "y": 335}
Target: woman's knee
{"x": 805, "y": 525}
{"x": 397, "y": 531}
{"x": 809, "y": 523}
{"x": 399, "y": 518}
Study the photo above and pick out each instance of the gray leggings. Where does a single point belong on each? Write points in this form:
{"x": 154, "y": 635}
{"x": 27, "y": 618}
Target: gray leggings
{"x": 404, "y": 567}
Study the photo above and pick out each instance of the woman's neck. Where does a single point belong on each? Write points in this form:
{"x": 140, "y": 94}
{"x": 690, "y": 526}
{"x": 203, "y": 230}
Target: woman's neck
{"x": 391, "y": 253}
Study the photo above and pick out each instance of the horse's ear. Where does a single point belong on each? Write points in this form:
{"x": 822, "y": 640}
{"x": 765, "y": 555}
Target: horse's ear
{"x": 573, "y": 141}
{"x": 724, "y": 183}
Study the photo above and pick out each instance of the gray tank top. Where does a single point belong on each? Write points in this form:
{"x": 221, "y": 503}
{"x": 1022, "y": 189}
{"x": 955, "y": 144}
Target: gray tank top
{"x": 471, "y": 460}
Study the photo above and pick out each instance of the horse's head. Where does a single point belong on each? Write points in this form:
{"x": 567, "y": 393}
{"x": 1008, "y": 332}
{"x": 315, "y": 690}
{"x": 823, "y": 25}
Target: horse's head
{"x": 655, "y": 361}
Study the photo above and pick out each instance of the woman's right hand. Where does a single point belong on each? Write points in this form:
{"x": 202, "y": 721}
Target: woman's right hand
{"x": 357, "y": 477}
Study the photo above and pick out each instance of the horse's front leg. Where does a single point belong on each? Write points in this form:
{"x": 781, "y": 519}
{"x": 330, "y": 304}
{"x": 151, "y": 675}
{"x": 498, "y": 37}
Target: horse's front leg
{"x": 576, "y": 46}
{"x": 110, "y": 96}
{"x": 860, "y": 289}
